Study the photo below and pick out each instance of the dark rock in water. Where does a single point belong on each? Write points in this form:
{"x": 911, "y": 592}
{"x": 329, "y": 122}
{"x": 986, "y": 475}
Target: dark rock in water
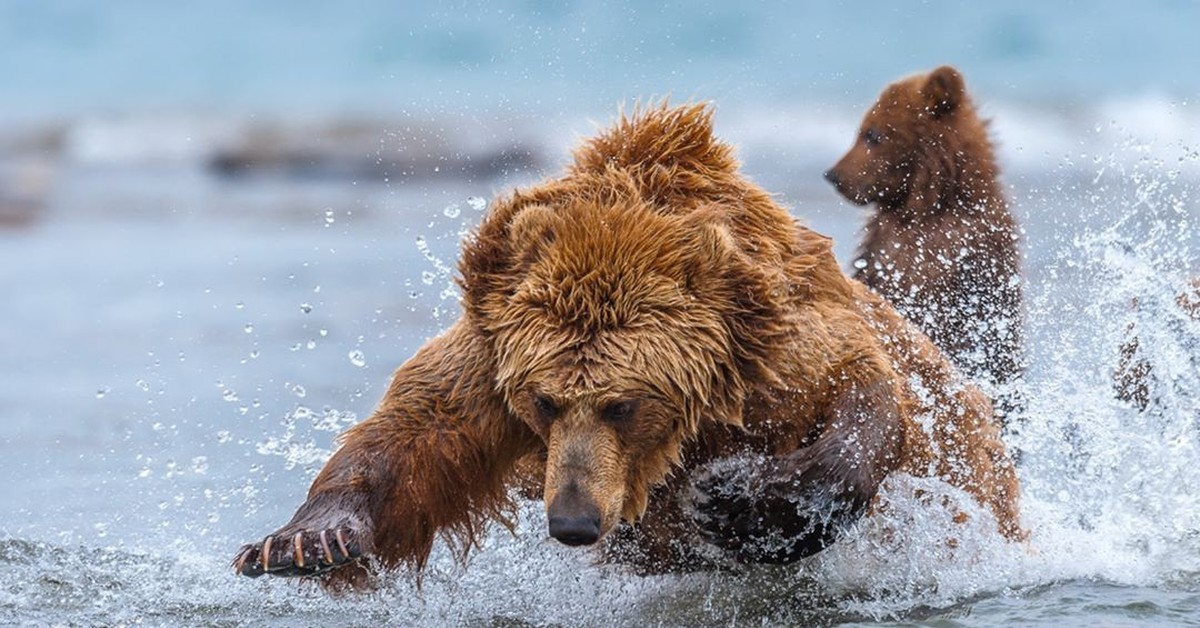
{"x": 17, "y": 212}
{"x": 25, "y": 181}
{"x": 29, "y": 163}
{"x": 358, "y": 151}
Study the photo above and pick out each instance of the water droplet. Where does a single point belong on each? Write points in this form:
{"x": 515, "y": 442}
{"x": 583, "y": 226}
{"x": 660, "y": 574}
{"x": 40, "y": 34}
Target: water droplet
{"x": 223, "y": 436}
{"x": 451, "y": 211}
{"x": 200, "y": 465}
{"x": 477, "y": 203}
{"x": 248, "y": 328}
{"x": 295, "y": 347}
{"x": 860, "y": 263}
{"x": 254, "y": 353}
{"x": 329, "y": 219}
{"x": 306, "y": 307}
{"x": 299, "y": 390}
{"x": 143, "y": 384}
{"x": 101, "y": 392}
{"x": 357, "y": 358}
{"x": 239, "y": 305}
{"x": 323, "y": 332}
{"x": 427, "y": 277}
{"x": 310, "y": 345}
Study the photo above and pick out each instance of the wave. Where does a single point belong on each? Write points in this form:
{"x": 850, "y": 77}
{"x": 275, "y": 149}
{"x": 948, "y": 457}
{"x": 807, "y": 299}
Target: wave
{"x": 1032, "y": 138}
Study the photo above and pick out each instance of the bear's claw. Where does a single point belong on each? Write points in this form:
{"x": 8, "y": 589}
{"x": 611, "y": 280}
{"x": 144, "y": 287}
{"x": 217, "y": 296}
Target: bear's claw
{"x": 304, "y": 553}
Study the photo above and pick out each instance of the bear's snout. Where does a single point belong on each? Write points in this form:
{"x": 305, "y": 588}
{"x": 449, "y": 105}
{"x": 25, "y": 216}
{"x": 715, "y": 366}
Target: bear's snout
{"x": 582, "y": 530}
{"x": 832, "y": 177}
{"x": 574, "y": 520}
{"x": 848, "y": 180}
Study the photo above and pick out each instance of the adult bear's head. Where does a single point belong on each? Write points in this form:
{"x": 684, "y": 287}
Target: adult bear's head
{"x": 623, "y": 310}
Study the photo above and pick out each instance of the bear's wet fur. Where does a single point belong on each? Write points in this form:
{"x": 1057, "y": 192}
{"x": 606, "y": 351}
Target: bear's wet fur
{"x": 625, "y": 326}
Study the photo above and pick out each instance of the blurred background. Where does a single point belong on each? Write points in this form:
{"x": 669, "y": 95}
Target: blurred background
{"x": 223, "y": 225}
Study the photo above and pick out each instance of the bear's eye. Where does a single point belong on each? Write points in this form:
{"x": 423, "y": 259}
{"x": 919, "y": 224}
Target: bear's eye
{"x": 545, "y": 407}
{"x": 619, "y": 411}
{"x": 871, "y": 137}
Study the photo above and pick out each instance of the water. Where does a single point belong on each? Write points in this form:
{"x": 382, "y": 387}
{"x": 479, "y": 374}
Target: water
{"x": 182, "y": 340}
{"x": 383, "y": 56}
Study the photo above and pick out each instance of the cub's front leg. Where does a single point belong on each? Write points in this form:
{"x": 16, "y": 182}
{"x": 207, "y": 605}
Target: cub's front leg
{"x": 778, "y": 509}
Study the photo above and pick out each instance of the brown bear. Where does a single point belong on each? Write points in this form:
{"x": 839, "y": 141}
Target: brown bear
{"x": 1133, "y": 379}
{"x": 647, "y": 313}
{"x": 942, "y": 244}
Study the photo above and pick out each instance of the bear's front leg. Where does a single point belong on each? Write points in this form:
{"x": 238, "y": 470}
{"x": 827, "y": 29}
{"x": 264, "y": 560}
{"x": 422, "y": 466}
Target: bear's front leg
{"x": 778, "y": 509}
{"x": 433, "y": 459}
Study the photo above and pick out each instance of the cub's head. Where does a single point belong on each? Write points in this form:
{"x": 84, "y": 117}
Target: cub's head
{"x": 914, "y": 142}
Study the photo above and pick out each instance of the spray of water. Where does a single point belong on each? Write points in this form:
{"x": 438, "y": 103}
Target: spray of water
{"x": 1109, "y": 488}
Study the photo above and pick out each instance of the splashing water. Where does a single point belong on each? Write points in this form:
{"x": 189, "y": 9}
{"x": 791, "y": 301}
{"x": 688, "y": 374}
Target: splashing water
{"x": 1108, "y": 489}
{"x": 298, "y": 452}
{"x": 1109, "y": 497}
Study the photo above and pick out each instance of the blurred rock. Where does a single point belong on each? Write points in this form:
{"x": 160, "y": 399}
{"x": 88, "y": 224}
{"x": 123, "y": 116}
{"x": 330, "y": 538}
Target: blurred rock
{"x": 364, "y": 150}
{"x": 152, "y": 140}
{"x": 28, "y": 167}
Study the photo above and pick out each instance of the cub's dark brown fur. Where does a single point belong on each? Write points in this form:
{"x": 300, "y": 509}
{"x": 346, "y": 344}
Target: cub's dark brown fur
{"x": 942, "y": 246}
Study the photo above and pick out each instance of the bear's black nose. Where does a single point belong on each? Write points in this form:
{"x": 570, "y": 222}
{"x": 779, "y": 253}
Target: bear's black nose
{"x": 831, "y": 176}
{"x": 581, "y": 530}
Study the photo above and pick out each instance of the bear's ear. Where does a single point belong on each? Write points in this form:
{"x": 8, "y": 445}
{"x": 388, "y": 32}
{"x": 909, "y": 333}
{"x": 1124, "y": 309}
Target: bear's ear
{"x": 530, "y": 232}
{"x": 722, "y": 273}
{"x": 712, "y": 247}
{"x": 944, "y": 91}
{"x": 510, "y": 238}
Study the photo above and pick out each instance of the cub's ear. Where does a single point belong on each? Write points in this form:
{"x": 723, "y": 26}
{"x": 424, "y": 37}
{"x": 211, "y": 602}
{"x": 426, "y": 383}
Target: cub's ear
{"x": 944, "y": 91}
